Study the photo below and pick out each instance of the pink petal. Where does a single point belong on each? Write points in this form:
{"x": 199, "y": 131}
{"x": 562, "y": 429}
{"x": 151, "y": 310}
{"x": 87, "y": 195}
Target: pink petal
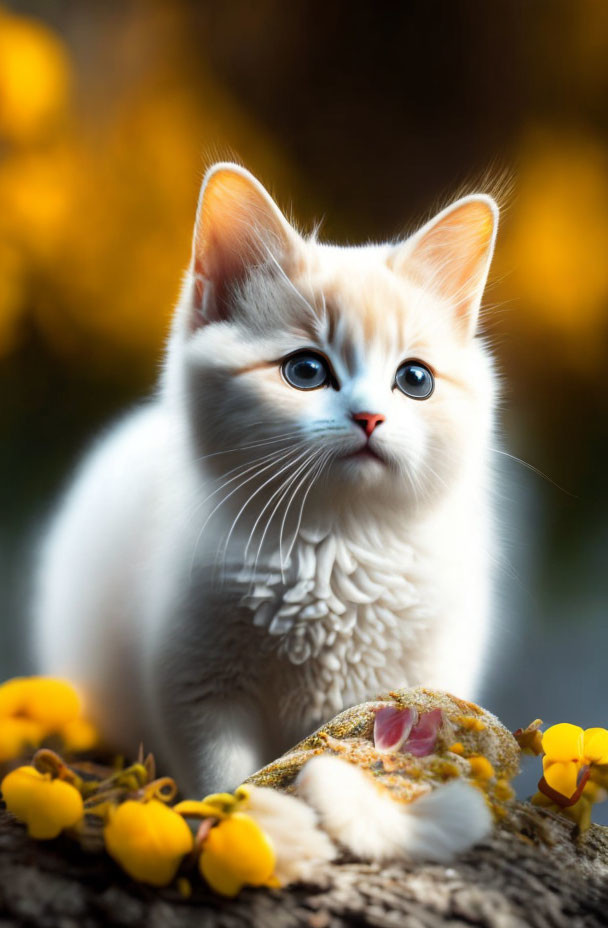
{"x": 391, "y": 728}
{"x": 423, "y": 737}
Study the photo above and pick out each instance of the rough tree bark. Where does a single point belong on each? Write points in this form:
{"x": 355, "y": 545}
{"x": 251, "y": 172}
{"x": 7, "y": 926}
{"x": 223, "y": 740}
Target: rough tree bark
{"x": 531, "y": 872}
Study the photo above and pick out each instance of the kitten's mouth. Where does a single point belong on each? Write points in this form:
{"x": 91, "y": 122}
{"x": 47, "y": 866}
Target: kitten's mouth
{"x": 365, "y": 453}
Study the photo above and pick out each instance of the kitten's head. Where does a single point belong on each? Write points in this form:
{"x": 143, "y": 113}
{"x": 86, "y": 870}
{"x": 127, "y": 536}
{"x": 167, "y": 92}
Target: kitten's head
{"x": 354, "y": 371}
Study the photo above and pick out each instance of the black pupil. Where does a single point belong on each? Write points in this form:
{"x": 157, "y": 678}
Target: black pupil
{"x": 307, "y": 368}
{"x": 415, "y": 376}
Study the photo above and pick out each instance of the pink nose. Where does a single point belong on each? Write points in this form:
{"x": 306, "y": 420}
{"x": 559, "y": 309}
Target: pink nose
{"x": 368, "y": 420}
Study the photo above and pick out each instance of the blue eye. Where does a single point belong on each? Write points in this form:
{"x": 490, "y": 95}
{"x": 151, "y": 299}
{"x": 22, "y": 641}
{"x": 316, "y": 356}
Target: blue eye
{"x": 306, "y": 371}
{"x": 415, "y": 380}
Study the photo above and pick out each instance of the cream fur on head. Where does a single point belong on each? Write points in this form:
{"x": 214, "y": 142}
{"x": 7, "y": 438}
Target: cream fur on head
{"x": 300, "y": 516}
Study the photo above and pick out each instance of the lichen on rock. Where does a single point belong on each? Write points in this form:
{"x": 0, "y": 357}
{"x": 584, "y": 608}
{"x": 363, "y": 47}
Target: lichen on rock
{"x": 487, "y": 755}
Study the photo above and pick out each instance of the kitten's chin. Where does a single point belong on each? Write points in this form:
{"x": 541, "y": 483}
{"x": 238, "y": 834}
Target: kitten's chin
{"x": 364, "y": 470}
{"x": 362, "y": 466}
{"x": 364, "y": 463}
{"x": 371, "y": 482}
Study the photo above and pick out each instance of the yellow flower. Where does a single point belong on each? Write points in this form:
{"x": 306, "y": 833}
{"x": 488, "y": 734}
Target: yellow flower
{"x": 567, "y": 750}
{"x": 563, "y": 742}
{"x": 31, "y": 708}
{"x": 46, "y": 805}
{"x": 563, "y": 747}
{"x": 51, "y": 702}
{"x": 595, "y": 745}
{"x": 79, "y": 736}
{"x": 237, "y": 853}
{"x": 17, "y": 735}
{"x": 148, "y": 840}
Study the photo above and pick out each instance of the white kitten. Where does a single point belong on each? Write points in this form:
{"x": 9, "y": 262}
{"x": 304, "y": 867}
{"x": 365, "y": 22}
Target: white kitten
{"x": 299, "y": 519}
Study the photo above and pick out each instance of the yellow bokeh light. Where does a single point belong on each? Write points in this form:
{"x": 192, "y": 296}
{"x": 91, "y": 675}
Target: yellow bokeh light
{"x": 34, "y": 79}
{"x": 556, "y": 239}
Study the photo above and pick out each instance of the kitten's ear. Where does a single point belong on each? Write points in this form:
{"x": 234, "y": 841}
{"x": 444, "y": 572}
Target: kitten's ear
{"x": 238, "y": 225}
{"x": 451, "y": 255}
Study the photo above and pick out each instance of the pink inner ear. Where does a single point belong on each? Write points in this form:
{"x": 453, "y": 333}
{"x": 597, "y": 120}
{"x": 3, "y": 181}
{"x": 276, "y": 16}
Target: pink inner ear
{"x": 423, "y": 737}
{"x": 238, "y": 227}
{"x": 392, "y": 727}
{"x": 199, "y": 287}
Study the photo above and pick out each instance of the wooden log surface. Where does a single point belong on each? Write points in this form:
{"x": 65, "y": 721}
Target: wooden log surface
{"x": 531, "y": 872}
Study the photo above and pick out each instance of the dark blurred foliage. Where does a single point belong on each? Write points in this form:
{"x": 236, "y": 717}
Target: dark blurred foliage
{"x": 370, "y": 116}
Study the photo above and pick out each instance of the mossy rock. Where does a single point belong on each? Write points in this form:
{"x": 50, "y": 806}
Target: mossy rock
{"x": 467, "y": 733}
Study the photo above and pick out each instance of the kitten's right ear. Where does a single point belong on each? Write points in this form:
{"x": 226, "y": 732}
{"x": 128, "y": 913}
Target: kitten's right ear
{"x": 451, "y": 254}
{"x": 238, "y": 226}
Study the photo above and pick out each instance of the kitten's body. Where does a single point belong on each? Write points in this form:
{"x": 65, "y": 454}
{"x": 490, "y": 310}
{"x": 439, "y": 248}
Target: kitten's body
{"x": 214, "y": 609}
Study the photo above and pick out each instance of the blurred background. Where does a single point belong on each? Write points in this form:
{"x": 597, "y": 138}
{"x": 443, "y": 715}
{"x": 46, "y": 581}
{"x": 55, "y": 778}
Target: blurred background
{"x": 370, "y": 116}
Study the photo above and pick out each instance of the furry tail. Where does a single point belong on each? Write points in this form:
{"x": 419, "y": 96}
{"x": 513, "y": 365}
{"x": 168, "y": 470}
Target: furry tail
{"x": 363, "y": 818}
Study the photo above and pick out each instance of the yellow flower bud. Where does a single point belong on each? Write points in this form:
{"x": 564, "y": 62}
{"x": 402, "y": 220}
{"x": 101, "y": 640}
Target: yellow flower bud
{"x": 46, "y": 805}
{"x": 530, "y": 739}
{"x": 236, "y": 853}
{"x": 148, "y": 840}
{"x": 198, "y": 808}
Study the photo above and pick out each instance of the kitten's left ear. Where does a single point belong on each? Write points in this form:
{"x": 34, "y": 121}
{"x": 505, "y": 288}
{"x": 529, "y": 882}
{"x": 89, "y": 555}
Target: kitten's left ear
{"x": 238, "y": 226}
{"x": 451, "y": 255}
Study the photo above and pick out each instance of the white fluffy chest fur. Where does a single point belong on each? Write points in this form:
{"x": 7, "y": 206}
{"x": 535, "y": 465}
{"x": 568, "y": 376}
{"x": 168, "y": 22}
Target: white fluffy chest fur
{"x": 353, "y": 614}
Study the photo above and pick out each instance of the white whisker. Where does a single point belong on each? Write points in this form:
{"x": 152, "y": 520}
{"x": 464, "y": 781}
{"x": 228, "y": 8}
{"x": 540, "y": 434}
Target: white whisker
{"x": 263, "y": 510}
{"x": 299, "y": 521}
{"x": 239, "y": 471}
{"x": 255, "y": 444}
{"x": 534, "y": 470}
{"x": 259, "y": 489}
{"x": 285, "y": 488}
{"x": 227, "y": 496}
